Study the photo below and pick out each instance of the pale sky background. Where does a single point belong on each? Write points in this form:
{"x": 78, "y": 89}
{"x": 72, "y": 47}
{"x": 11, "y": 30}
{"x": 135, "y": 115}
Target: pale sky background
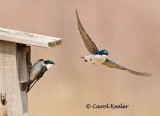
{"x": 128, "y": 29}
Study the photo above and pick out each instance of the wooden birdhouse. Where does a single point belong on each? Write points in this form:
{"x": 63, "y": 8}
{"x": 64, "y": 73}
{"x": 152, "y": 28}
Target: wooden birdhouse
{"x": 15, "y": 57}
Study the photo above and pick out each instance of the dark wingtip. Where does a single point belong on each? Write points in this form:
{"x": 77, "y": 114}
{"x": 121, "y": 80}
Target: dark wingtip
{"x": 140, "y": 73}
{"x": 148, "y": 74}
{"x": 77, "y": 15}
{"x": 76, "y": 12}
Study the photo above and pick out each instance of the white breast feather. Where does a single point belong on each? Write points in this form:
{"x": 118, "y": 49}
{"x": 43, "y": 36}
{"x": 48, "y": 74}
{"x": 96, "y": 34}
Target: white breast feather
{"x": 49, "y": 66}
{"x": 96, "y": 59}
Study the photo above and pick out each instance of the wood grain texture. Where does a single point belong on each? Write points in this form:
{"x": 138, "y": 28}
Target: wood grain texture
{"x": 9, "y": 78}
{"x": 23, "y": 62}
{"x": 23, "y": 72}
{"x": 29, "y": 38}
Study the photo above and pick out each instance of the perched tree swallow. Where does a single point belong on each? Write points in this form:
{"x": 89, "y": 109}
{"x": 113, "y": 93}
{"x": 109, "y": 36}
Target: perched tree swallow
{"x": 100, "y": 57}
{"x": 37, "y": 71}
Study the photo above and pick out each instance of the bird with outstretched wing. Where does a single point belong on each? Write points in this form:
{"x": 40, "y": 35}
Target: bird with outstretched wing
{"x": 100, "y": 57}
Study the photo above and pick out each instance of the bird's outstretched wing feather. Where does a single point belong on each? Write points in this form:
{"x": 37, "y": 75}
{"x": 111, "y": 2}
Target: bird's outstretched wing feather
{"x": 90, "y": 45}
{"x": 112, "y": 64}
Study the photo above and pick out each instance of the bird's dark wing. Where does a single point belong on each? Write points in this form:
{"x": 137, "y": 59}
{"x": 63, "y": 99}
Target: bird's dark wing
{"x": 112, "y": 64}
{"x": 31, "y": 84}
{"x": 90, "y": 45}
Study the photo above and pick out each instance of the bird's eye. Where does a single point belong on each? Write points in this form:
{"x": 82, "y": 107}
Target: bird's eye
{"x": 51, "y": 62}
{"x": 106, "y": 53}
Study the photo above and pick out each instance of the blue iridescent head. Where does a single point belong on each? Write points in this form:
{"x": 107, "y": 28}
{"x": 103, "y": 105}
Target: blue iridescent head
{"x": 49, "y": 62}
{"x": 103, "y": 52}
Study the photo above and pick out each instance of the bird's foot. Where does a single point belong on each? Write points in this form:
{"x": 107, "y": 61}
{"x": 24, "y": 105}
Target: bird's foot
{"x": 84, "y": 59}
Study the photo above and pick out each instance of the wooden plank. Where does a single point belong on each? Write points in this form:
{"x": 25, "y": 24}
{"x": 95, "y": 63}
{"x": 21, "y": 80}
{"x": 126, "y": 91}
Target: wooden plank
{"x": 23, "y": 72}
{"x": 3, "y": 108}
{"x": 23, "y": 62}
{"x": 29, "y": 38}
{"x": 24, "y": 98}
{"x": 9, "y": 79}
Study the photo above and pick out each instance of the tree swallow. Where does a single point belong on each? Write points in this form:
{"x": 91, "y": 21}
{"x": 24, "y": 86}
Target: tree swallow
{"x": 37, "y": 71}
{"x": 100, "y": 57}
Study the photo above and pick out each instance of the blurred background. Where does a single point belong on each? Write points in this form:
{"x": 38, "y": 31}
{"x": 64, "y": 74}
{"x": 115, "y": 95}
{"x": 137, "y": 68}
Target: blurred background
{"x": 129, "y": 30}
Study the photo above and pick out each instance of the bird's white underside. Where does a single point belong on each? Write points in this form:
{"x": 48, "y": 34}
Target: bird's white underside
{"x": 49, "y": 66}
{"x": 96, "y": 59}
{"x": 36, "y": 69}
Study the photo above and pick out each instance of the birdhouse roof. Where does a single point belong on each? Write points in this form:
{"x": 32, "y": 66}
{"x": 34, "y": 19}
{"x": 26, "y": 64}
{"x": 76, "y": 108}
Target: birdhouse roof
{"x": 29, "y": 38}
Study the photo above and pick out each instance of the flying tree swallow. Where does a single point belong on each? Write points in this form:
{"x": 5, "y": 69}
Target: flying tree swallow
{"x": 100, "y": 57}
{"x": 37, "y": 71}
